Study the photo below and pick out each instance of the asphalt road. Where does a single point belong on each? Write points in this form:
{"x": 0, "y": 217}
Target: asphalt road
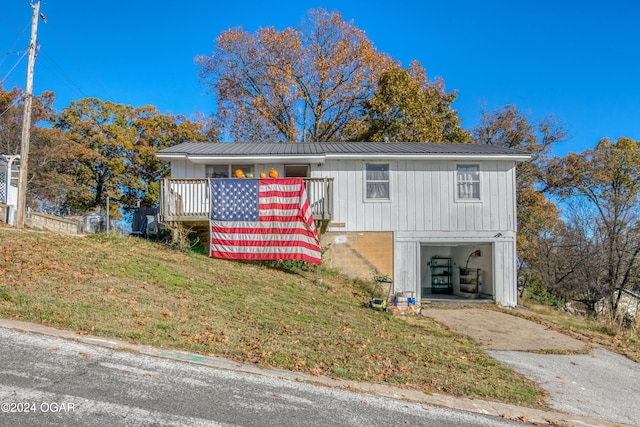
{"x": 600, "y": 384}
{"x": 50, "y": 381}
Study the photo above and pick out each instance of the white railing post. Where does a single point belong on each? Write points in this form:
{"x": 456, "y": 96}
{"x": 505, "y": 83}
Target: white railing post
{"x": 188, "y": 199}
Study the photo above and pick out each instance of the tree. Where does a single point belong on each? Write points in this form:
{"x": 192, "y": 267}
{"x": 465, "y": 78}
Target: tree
{"x": 569, "y": 258}
{"x": 608, "y": 179}
{"x": 99, "y": 142}
{"x": 44, "y": 185}
{"x": 47, "y": 185}
{"x": 407, "y": 107}
{"x": 295, "y": 85}
{"x": 508, "y": 127}
{"x": 537, "y": 216}
{"x": 110, "y": 152}
{"x": 155, "y": 131}
{"x": 10, "y": 121}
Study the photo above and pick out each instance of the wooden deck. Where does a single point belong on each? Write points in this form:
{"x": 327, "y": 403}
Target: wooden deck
{"x": 188, "y": 200}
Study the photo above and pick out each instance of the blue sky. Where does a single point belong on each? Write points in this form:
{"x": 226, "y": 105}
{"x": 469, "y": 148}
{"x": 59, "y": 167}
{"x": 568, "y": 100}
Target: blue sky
{"x": 578, "y": 61}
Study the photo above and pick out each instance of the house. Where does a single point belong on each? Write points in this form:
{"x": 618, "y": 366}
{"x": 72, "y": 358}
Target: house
{"x": 440, "y": 219}
{"x": 8, "y": 187}
{"x": 627, "y": 305}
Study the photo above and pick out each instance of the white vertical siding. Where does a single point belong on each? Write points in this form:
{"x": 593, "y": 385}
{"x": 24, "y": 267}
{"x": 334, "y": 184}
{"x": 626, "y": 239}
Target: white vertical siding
{"x": 186, "y": 169}
{"x": 423, "y": 197}
{"x": 406, "y": 266}
{"x": 422, "y": 209}
{"x": 492, "y": 222}
{"x": 434, "y": 207}
{"x": 504, "y": 273}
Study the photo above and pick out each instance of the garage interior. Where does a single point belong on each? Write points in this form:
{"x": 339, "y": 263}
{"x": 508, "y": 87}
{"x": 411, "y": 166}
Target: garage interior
{"x": 460, "y": 271}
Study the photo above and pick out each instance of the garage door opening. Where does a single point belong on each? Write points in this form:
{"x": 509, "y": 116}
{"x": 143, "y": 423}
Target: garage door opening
{"x": 462, "y": 271}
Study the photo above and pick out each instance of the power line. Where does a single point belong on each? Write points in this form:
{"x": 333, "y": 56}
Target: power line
{"x": 57, "y": 70}
{"x": 15, "y": 65}
{"x": 84, "y": 67}
{"x": 13, "y": 104}
{"x": 14, "y": 53}
{"x": 21, "y": 33}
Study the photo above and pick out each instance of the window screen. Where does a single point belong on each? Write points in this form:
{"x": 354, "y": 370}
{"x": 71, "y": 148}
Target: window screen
{"x": 468, "y": 182}
{"x": 377, "y": 181}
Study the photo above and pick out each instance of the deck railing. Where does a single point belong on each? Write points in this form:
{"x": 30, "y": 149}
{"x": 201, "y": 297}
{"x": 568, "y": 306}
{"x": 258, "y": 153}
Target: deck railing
{"x": 188, "y": 199}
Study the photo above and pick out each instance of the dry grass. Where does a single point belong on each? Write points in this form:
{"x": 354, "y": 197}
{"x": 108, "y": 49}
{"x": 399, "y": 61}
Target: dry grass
{"x": 145, "y": 292}
{"x": 607, "y": 334}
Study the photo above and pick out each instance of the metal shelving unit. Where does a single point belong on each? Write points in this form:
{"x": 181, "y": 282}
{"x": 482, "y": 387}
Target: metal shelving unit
{"x": 440, "y": 275}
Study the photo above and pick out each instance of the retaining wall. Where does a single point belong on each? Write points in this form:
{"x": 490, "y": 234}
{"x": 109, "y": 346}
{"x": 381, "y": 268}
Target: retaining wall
{"x": 43, "y": 221}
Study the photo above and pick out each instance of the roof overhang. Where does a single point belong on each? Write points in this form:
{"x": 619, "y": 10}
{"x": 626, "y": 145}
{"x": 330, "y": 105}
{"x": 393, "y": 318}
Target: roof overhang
{"x": 266, "y": 159}
{"x": 208, "y": 159}
{"x": 466, "y": 157}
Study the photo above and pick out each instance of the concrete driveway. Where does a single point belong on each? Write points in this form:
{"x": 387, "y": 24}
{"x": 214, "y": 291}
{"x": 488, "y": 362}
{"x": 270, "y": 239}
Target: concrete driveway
{"x": 587, "y": 381}
{"x": 494, "y": 330}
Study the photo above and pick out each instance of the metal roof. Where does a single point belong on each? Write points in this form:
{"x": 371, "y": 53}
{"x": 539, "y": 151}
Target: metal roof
{"x": 336, "y": 150}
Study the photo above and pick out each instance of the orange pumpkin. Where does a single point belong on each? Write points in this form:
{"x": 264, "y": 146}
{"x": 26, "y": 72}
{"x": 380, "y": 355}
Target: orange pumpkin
{"x": 239, "y": 173}
{"x": 263, "y": 175}
{"x": 273, "y": 173}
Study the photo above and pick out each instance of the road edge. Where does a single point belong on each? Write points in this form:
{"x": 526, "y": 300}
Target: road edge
{"x": 497, "y": 409}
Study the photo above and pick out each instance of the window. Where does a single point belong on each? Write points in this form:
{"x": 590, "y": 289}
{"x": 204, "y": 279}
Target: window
{"x": 377, "y": 181}
{"x": 217, "y": 171}
{"x": 228, "y": 171}
{"x": 247, "y": 170}
{"x": 468, "y": 182}
{"x": 296, "y": 171}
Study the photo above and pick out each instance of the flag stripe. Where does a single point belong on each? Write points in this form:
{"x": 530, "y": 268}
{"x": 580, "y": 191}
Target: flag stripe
{"x": 281, "y": 227}
{"x": 242, "y": 245}
{"x": 284, "y": 234}
{"x": 311, "y": 258}
{"x": 266, "y": 234}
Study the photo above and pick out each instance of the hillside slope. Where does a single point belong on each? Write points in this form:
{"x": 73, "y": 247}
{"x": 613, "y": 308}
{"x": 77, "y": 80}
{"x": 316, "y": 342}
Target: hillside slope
{"x": 146, "y": 292}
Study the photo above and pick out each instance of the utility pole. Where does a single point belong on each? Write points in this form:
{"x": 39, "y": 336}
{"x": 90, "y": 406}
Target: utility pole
{"x": 26, "y": 120}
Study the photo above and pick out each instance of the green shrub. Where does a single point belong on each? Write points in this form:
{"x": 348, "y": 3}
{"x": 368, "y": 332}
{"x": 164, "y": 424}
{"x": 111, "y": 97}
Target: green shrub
{"x": 536, "y": 292}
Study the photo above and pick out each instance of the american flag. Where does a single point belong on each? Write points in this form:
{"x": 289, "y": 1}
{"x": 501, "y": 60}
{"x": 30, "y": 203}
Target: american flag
{"x": 262, "y": 219}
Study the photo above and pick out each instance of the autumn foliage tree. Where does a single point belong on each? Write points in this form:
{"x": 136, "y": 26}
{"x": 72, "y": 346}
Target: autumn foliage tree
{"x": 155, "y": 131}
{"x": 538, "y": 216}
{"x": 110, "y": 152}
{"x": 407, "y": 107}
{"x": 299, "y": 84}
{"x": 607, "y": 179}
{"x": 45, "y": 187}
{"x": 10, "y": 121}
{"x": 99, "y": 142}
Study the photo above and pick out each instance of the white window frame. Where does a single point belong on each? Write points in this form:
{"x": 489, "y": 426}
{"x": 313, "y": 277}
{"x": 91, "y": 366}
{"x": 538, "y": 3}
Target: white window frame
{"x": 231, "y": 169}
{"x": 381, "y": 181}
{"x": 468, "y": 180}
{"x": 210, "y": 170}
{"x": 246, "y": 169}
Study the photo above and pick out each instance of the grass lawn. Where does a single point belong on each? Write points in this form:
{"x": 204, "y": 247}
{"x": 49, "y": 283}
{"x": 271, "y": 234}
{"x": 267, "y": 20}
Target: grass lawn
{"x": 148, "y": 293}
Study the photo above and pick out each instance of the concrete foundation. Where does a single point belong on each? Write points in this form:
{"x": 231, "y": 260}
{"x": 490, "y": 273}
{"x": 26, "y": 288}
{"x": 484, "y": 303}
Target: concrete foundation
{"x": 359, "y": 254}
